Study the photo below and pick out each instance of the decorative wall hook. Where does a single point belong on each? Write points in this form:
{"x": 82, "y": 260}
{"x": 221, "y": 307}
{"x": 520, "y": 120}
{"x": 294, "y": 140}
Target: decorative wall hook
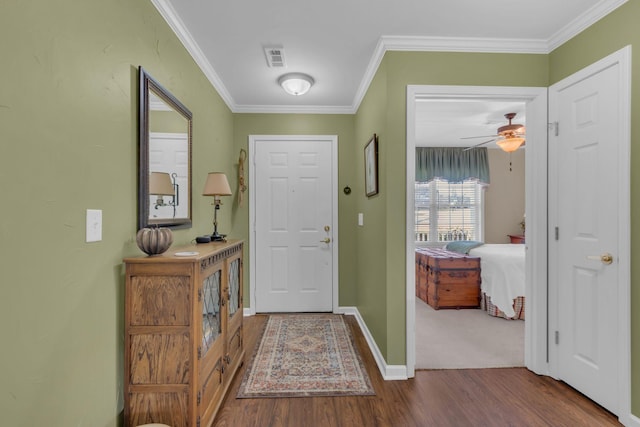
{"x": 241, "y": 184}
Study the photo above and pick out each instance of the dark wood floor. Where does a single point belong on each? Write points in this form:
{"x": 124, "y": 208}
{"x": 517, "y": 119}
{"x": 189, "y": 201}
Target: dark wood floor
{"x": 457, "y": 398}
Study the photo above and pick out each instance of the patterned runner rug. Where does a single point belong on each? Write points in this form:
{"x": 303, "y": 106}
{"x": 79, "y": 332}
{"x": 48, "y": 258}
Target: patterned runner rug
{"x": 303, "y": 355}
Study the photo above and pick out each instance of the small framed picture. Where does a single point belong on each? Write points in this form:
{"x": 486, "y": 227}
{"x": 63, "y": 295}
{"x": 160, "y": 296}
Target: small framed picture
{"x": 371, "y": 166}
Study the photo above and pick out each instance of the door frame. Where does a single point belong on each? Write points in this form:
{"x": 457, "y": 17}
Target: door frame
{"x": 330, "y": 139}
{"x": 535, "y": 345}
{"x": 621, "y": 58}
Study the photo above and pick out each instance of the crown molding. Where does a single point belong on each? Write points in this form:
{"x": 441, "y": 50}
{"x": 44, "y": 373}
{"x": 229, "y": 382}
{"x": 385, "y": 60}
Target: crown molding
{"x": 369, "y": 74}
{"x": 389, "y": 43}
{"x": 442, "y": 44}
{"x": 464, "y": 44}
{"x": 171, "y": 17}
{"x": 583, "y": 21}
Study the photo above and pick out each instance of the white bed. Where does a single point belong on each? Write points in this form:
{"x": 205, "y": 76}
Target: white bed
{"x": 502, "y": 273}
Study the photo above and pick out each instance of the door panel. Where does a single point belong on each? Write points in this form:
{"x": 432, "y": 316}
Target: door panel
{"x": 587, "y": 200}
{"x": 293, "y": 217}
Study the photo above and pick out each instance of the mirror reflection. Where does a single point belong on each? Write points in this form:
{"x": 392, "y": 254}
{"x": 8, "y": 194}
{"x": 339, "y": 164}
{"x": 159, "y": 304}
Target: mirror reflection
{"x": 165, "y": 157}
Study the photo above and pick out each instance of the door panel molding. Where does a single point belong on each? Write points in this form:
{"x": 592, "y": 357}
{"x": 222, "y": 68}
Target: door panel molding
{"x": 622, "y": 60}
{"x": 253, "y": 140}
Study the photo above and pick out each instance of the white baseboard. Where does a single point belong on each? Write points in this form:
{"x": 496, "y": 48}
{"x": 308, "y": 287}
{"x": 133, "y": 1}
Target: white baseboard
{"x": 246, "y": 312}
{"x": 389, "y": 372}
{"x": 630, "y": 421}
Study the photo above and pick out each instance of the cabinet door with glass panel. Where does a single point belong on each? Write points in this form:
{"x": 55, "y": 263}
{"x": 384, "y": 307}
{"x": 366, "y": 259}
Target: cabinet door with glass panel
{"x": 234, "y": 350}
{"x": 211, "y": 345}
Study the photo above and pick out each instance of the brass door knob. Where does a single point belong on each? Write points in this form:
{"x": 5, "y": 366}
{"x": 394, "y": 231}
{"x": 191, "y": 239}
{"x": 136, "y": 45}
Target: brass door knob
{"x": 325, "y": 240}
{"x": 606, "y": 258}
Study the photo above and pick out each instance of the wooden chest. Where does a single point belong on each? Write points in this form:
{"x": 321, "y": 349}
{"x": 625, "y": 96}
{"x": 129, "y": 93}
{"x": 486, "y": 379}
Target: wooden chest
{"x": 452, "y": 280}
{"x": 421, "y": 275}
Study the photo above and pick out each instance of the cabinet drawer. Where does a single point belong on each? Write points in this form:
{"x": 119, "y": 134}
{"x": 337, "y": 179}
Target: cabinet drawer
{"x": 160, "y": 300}
{"x": 171, "y": 408}
{"x": 159, "y": 358}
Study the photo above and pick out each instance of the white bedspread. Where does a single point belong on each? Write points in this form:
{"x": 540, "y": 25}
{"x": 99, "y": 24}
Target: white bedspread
{"x": 502, "y": 273}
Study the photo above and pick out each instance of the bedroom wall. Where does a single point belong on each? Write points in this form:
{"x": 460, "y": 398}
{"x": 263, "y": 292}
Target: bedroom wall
{"x": 618, "y": 29}
{"x": 504, "y": 198}
{"x": 384, "y": 298}
{"x": 68, "y": 126}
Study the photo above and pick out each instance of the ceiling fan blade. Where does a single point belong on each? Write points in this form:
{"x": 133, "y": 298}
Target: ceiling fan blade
{"x": 481, "y": 136}
{"x": 478, "y": 145}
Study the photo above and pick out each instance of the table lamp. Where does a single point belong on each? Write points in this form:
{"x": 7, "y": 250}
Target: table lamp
{"x": 216, "y": 185}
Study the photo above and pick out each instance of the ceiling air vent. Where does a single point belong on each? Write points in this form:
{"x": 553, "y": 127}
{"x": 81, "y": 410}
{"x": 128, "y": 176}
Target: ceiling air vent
{"x": 275, "y": 56}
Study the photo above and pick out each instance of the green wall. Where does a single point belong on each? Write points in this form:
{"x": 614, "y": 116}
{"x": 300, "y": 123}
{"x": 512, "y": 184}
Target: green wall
{"x": 382, "y": 301}
{"x": 68, "y": 132}
{"x": 305, "y": 124}
{"x": 372, "y": 238}
{"x": 615, "y": 31}
{"x": 68, "y": 126}
{"x": 384, "y": 111}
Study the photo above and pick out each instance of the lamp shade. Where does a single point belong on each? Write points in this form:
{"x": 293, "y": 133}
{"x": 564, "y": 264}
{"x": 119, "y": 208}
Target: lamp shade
{"x": 296, "y": 83}
{"x": 510, "y": 144}
{"x": 160, "y": 184}
{"x": 216, "y": 185}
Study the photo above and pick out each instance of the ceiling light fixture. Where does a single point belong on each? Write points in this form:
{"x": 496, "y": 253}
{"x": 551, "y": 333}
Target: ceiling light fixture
{"x": 296, "y": 83}
{"x": 510, "y": 144}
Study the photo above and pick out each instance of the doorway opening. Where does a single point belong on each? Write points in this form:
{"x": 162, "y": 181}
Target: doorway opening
{"x": 534, "y": 101}
{"x": 484, "y": 203}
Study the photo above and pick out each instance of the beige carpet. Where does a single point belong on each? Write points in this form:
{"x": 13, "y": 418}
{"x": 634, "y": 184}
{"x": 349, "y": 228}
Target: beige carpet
{"x": 469, "y": 338}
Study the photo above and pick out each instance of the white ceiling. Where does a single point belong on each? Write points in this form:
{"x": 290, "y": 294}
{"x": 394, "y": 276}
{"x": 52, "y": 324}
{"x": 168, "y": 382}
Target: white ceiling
{"x": 445, "y": 123}
{"x": 340, "y": 42}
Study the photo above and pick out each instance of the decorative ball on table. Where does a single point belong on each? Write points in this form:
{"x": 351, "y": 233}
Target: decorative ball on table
{"x": 154, "y": 241}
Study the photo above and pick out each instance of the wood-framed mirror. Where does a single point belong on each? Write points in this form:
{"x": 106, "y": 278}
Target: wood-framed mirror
{"x": 164, "y": 157}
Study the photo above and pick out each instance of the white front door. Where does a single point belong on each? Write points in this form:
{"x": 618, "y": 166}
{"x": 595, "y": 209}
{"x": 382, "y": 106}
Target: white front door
{"x": 586, "y": 250}
{"x": 294, "y": 223}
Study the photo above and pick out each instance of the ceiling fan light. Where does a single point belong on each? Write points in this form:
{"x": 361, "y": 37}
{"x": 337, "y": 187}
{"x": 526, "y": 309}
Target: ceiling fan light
{"x": 510, "y": 144}
{"x": 296, "y": 83}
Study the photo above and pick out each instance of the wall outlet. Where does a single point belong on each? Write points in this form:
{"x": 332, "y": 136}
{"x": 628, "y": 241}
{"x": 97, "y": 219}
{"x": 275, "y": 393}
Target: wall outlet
{"x": 94, "y": 225}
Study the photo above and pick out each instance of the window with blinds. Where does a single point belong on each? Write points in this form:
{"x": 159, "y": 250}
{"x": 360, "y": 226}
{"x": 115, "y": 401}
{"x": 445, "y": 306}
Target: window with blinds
{"x": 448, "y": 211}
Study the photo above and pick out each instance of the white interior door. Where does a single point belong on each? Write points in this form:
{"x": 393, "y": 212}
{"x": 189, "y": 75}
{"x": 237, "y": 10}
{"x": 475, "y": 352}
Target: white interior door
{"x": 588, "y": 147}
{"x": 169, "y": 152}
{"x": 294, "y": 224}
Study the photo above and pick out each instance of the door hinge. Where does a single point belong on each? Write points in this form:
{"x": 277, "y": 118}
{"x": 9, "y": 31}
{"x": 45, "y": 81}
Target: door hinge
{"x": 557, "y": 337}
{"x": 557, "y": 233}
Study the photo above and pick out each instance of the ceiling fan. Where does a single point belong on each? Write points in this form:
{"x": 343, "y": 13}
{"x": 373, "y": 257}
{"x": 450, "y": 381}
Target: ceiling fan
{"x": 509, "y": 137}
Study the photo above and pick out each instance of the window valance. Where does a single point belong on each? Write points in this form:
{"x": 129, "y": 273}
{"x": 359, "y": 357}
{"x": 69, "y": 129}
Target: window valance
{"x": 452, "y": 164}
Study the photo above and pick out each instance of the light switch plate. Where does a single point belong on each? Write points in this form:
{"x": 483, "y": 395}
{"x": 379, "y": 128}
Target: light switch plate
{"x": 94, "y": 225}
{"x": 360, "y": 219}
